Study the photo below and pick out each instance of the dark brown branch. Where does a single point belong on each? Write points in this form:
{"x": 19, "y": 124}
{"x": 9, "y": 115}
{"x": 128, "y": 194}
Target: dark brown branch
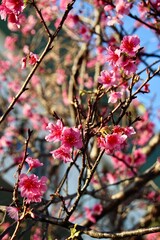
{"x": 132, "y": 188}
{"x": 96, "y": 234}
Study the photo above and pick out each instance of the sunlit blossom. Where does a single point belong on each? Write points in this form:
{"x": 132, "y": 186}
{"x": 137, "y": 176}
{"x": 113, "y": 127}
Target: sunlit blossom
{"x": 71, "y": 137}
{"x": 130, "y": 45}
{"x": 32, "y": 188}
{"x": 55, "y": 131}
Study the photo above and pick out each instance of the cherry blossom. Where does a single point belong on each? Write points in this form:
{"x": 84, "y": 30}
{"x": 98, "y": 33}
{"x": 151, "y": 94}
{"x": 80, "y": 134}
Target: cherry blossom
{"x": 31, "y": 187}
{"x": 108, "y": 7}
{"x": 33, "y": 58}
{"x": 139, "y": 157}
{"x": 113, "y": 55}
{"x": 12, "y": 10}
{"x": 122, "y": 7}
{"x": 129, "y": 67}
{"x": 10, "y": 43}
{"x": 88, "y": 74}
{"x": 130, "y": 45}
{"x": 112, "y": 142}
{"x": 107, "y": 79}
{"x": 62, "y": 153}
{"x": 153, "y": 236}
{"x": 63, "y": 4}
{"x": 112, "y": 20}
{"x": 114, "y": 96}
{"x": 91, "y": 213}
{"x": 55, "y": 131}
{"x": 15, "y": 6}
{"x": 144, "y": 129}
{"x": 127, "y": 130}
{"x": 71, "y": 137}
{"x": 60, "y": 76}
{"x": 33, "y": 163}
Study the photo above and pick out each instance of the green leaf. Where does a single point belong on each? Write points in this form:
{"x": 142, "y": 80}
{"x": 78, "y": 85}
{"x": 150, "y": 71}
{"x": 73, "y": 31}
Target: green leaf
{"x": 74, "y": 233}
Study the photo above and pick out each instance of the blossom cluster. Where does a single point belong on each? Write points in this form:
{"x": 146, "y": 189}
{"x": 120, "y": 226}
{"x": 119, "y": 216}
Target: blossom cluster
{"x": 145, "y": 130}
{"x": 116, "y": 12}
{"x": 68, "y": 137}
{"x": 125, "y": 56}
{"x": 115, "y": 139}
{"x": 121, "y": 161}
{"x": 31, "y": 188}
{"x": 123, "y": 60}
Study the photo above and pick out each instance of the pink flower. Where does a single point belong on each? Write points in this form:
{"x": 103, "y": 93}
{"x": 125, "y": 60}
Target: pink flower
{"x": 111, "y": 177}
{"x": 145, "y": 129}
{"x": 84, "y": 32}
{"x": 91, "y": 213}
{"x": 32, "y": 188}
{"x": 33, "y": 58}
{"x": 111, "y": 20}
{"x": 72, "y": 21}
{"x": 143, "y": 10}
{"x": 130, "y": 67}
{"x": 33, "y": 163}
{"x": 114, "y": 96}
{"x": 130, "y": 45}
{"x": 107, "y": 78}
{"x": 122, "y": 7}
{"x": 129, "y": 131}
{"x": 63, "y": 4}
{"x": 71, "y": 137}
{"x": 146, "y": 88}
{"x": 10, "y": 43}
{"x": 127, "y": 63}
{"x": 12, "y": 10}
{"x": 151, "y": 195}
{"x": 99, "y": 3}
{"x": 13, "y": 213}
{"x": 18, "y": 160}
{"x": 55, "y": 131}
{"x": 113, "y": 55}
{"x": 112, "y": 142}
{"x": 4, "y": 11}
{"x": 108, "y": 7}
{"x": 153, "y": 236}
{"x": 139, "y": 157}
{"x": 61, "y": 76}
{"x": 15, "y": 6}
{"x": 97, "y": 209}
{"x": 62, "y": 153}
{"x": 27, "y": 110}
